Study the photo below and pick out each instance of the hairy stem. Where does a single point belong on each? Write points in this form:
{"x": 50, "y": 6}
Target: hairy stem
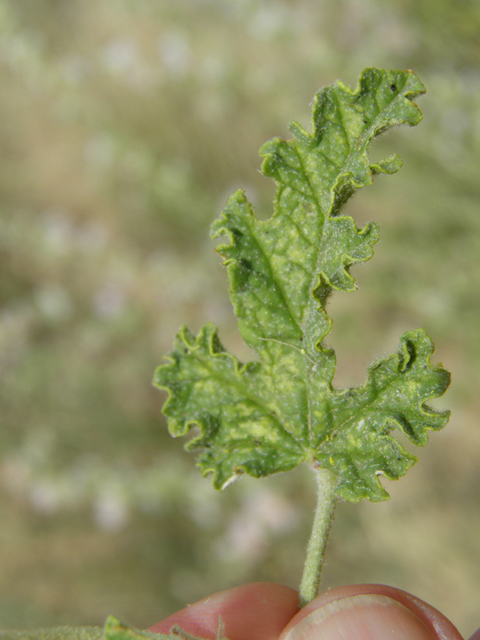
{"x": 327, "y": 499}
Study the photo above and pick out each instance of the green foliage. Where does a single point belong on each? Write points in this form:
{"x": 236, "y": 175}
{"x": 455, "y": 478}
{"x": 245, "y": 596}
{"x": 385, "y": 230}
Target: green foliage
{"x": 56, "y": 633}
{"x": 116, "y": 630}
{"x": 264, "y": 417}
{"x": 113, "y": 629}
{"x": 108, "y": 175}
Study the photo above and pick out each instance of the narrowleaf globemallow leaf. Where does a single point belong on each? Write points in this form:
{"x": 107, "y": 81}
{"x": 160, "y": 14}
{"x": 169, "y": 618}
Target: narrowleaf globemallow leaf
{"x": 268, "y": 416}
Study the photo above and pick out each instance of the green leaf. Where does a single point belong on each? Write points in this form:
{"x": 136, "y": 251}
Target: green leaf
{"x": 359, "y": 447}
{"x": 114, "y": 629}
{"x": 55, "y": 633}
{"x": 269, "y": 416}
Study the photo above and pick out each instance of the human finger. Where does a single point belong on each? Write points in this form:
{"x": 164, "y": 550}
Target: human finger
{"x": 369, "y": 612}
{"x": 256, "y": 611}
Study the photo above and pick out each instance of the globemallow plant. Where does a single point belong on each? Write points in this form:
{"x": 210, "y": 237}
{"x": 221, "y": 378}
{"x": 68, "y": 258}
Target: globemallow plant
{"x": 271, "y": 415}
{"x": 281, "y": 410}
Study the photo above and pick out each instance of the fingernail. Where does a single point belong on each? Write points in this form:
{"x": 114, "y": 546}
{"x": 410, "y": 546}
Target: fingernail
{"x": 361, "y": 617}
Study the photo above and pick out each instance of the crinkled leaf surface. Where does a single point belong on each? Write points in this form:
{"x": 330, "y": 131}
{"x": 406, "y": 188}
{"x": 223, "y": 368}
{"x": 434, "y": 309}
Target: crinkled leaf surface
{"x": 269, "y": 416}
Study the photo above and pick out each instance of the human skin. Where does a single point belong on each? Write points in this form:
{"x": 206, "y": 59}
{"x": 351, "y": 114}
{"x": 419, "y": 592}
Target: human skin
{"x": 267, "y": 611}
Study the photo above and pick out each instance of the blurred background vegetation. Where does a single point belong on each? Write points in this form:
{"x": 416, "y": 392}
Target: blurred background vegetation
{"x": 124, "y": 125}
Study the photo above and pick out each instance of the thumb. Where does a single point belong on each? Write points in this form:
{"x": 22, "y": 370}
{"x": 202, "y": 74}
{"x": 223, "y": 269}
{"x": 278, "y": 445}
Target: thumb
{"x": 369, "y": 612}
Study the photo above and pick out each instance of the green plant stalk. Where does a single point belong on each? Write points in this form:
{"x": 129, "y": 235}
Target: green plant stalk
{"x": 326, "y": 501}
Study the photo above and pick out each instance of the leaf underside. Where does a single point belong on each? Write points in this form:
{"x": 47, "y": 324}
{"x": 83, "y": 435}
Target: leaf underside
{"x": 269, "y": 416}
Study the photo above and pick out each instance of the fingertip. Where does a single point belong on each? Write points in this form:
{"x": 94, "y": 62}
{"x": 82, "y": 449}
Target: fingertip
{"x": 369, "y": 612}
{"x": 256, "y": 611}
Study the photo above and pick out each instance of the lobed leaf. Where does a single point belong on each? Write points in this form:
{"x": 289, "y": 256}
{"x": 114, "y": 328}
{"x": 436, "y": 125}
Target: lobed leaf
{"x": 269, "y": 416}
{"x": 359, "y": 448}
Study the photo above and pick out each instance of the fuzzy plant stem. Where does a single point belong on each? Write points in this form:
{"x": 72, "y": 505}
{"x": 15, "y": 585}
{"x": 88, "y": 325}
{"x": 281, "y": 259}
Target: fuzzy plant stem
{"x": 327, "y": 499}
